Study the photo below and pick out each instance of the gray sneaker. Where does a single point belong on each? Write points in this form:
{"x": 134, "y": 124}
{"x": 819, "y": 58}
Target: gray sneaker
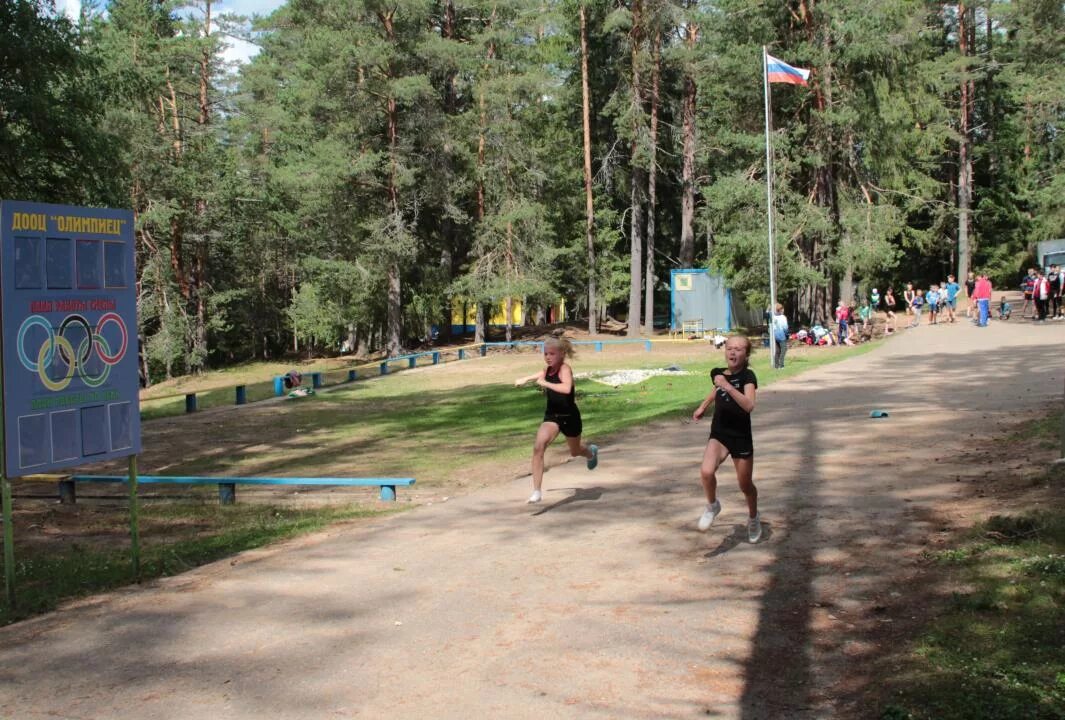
{"x": 754, "y": 529}
{"x": 709, "y": 515}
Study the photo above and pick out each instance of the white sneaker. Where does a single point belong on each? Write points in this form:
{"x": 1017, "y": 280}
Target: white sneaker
{"x": 536, "y": 497}
{"x": 754, "y": 528}
{"x": 709, "y": 515}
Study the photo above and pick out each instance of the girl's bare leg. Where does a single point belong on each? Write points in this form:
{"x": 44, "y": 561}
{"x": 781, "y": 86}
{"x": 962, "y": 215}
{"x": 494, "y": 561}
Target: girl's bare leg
{"x": 745, "y": 476}
{"x": 544, "y": 437}
{"x": 576, "y": 447}
{"x": 713, "y": 456}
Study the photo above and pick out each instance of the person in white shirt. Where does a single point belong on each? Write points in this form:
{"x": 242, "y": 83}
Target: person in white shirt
{"x": 779, "y": 328}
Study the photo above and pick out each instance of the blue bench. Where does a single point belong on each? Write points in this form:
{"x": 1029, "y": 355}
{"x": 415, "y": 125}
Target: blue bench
{"x": 279, "y": 383}
{"x": 599, "y": 343}
{"x": 227, "y": 487}
{"x": 412, "y": 359}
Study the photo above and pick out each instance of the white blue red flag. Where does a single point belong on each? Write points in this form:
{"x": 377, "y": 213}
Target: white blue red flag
{"x": 779, "y": 71}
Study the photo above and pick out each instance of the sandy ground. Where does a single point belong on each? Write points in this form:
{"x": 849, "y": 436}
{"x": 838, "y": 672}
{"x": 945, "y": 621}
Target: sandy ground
{"x": 604, "y": 601}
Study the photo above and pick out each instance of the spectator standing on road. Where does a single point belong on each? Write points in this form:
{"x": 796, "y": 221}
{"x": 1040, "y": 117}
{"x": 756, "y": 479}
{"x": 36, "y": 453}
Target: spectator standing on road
{"x": 889, "y": 308}
{"x": 865, "y": 314}
{"x": 982, "y": 293}
{"x": 951, "y": 290}
{"x": 932, "y": 301}
{"x": 1055, "y": 278}
{"x": 1041, "y": 296}
{"x": 843, "y": 315}
{"x": 917, "y": 305}
{"x": 970, "y": 287}
{"x": 780, "y": 334}
{"x": 1027, "y": 285}
{"x": 907, "y": 297}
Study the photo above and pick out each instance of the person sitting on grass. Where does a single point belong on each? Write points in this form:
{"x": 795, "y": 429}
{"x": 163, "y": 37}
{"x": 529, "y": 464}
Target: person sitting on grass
{"x": 822, "y": 335}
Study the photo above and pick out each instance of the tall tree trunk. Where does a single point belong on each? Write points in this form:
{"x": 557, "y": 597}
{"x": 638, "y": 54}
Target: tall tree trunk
{"x": 448, "y": 227}
{"x": 480, "y": 324}
{"x": 394, "y": 343}
{"x": 637, "y": 180}
{"x": 205, "y": 68}
{"x": 508, "y": 306}
{"x": 482, "y": 330}
{"x": 589, "y": 205}
{"x": 822, "y": 245}
{"x": 199, "y": 342}
{"x": 649, "y": 269}
{"x": 199, "y": 274}
{"x": 687, "y": 199}
{"x": 965, "y": 163}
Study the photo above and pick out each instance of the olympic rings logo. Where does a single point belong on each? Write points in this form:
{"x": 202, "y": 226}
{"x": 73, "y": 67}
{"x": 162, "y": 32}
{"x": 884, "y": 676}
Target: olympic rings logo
{"x": 77, "y": 359}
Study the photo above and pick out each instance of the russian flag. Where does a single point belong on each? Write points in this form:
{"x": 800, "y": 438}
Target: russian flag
{"x": 779, "y": 71}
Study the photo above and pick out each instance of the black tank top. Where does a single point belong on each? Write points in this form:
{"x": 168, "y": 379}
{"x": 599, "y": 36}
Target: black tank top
{"x": 558, "y": 403}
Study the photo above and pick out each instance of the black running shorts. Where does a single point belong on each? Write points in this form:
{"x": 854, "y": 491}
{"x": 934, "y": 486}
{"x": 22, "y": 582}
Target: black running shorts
{"x": 737, "y": 446}
{"x": 569, "y": 424}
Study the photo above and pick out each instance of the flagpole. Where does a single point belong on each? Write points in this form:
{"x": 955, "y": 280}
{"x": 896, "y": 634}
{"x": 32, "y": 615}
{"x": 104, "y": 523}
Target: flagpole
{"x": 769, "y": 209}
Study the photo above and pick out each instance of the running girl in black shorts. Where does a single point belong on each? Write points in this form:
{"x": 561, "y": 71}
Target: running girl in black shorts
{"x": 730, "y": 433}
{"x": 561, "y": 415}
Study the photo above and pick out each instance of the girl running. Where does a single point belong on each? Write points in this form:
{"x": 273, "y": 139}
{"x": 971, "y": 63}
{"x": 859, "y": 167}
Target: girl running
{"x": 730, "y": 433}
{"x": 561, "y": 415}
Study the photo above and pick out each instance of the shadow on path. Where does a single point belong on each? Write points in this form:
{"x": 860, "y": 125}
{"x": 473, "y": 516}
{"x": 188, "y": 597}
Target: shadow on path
{"x": 580, "y": 495}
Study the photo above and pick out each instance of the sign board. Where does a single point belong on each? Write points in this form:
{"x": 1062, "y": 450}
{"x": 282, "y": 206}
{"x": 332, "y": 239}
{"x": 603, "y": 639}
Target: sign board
{"x": 69, "y": 319}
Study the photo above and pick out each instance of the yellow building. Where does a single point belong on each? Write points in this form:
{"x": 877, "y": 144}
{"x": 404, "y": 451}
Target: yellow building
{"x": 464, "y": 314}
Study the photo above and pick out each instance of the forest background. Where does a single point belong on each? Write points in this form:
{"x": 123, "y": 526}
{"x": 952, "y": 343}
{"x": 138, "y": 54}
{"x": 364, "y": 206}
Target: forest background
{"x": 380, "y": 160}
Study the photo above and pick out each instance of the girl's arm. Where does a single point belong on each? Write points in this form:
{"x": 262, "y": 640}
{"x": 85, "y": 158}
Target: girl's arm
{"x": 744, "y": 399}
{"x": 565, "y": 375}
{"x": 529, "y": 378}
{"x": 701, "y": 410}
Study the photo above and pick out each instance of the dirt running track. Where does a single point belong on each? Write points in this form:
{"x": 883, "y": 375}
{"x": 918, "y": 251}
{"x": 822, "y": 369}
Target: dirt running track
{"x": 604, "y": 602}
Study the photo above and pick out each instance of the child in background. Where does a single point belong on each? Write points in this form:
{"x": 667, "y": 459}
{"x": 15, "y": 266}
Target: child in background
{"x": 916, "y": 306}
{"x": 822, "y": 335}
{"x": 931, "y": 299}
{"x": 1004, "y": 309}
{"x": 970, "y": 288}
{"x": 951, "y": 291}
{"x": 889, "y": 307}
{"x": 843, "y": 315}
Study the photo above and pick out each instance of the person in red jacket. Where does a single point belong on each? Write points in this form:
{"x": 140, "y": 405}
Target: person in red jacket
{"x": 982, "y": 293}
{"x": 1041, "y": 296}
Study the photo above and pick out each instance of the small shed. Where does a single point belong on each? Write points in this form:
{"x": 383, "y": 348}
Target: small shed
{"x": 1050, "y": 252}
{"x": 700, "y": 300}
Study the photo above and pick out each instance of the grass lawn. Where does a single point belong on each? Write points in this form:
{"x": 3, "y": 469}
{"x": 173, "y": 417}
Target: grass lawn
{"x": 997, "y": 649}
{"x": 437, "y": 422}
